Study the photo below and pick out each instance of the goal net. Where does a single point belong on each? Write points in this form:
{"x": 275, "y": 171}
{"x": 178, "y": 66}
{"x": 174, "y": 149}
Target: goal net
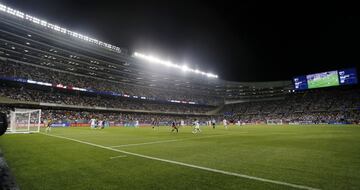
{"x": 274, "y": 122}
{"x": 25, "y": 121}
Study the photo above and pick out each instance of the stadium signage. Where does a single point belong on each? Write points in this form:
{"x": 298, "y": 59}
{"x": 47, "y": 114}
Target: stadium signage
{"x": 39, "y": 83}
{"x": 62, "y": 124}
{"x": 326, "y": 79}
{"x": 79, "y": 89}
{"x": 61, "y": 86}
{"x": 14, "y": 79}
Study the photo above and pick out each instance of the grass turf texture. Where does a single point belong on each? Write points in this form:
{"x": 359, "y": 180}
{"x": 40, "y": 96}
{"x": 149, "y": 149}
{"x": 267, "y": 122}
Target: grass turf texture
{"x": 325, "y": 157}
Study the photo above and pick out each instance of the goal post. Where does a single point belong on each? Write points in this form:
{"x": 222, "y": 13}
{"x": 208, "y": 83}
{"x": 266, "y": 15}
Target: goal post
{"x": 25, "y": 121}
{"x": 274, "y": 122}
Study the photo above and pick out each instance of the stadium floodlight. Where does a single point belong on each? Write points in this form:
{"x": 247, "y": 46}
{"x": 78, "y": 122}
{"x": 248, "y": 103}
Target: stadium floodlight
{"x": 43, "y": 23}
{"x": 2, "y": 7}
{"x": 184, "y": 68}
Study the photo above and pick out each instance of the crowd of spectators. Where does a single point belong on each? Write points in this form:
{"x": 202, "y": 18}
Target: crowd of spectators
{"x": 79, "y": 117}
{"x": 68, "y": 78}
{"x": 315, "y": 106}
{"x": 106, "y": 101}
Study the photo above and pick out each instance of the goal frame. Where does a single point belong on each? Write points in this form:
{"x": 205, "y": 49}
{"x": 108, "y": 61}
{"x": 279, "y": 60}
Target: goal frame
{"x": 13, "y": 127}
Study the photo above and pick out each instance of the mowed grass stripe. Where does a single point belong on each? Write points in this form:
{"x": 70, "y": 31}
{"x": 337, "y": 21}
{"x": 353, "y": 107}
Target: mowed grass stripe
{"x": 165, "y": 141}
{"x": 191, "y": 165}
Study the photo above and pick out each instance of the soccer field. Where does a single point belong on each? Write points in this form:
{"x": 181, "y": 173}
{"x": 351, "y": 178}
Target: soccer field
{"x": 251, "y": 157}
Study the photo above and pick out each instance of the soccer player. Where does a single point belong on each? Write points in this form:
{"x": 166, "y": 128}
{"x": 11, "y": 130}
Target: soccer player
{"x": 197, "y": 127}
{"x": 45, "y": 122}
{"x": 92, "y": 123}
{"x": 153, "y": 123}
{"x": 182, "y": 123}
{"x": 48, "y": 126}
{"x": 136, "y": 123}
{"x": 225, "y": 123}
{"x": 213, "y": 122}
{"x": 100, "y": 124}
{"x": 174, "y": 127}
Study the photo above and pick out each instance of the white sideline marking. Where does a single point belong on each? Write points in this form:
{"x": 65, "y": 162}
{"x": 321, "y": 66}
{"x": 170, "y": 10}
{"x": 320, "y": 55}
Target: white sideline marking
{"x": 164, "y": 141}
{"x": 191, "y": 165}
{"x": 122, "y": 156}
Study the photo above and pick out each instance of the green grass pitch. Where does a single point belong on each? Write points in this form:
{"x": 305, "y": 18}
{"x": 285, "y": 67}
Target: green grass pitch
{"x": 321, "y": 157}
{"x": 330, "y": 80}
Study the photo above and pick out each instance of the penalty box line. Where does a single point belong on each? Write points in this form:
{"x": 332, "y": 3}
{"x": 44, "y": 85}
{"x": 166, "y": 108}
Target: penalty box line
{"x": 190, "y": 165}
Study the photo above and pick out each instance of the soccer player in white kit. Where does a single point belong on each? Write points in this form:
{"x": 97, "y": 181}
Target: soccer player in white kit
{"x": 92, "y": 123}
{"x": 197, "y": 127}
{"x": 100, "y": 124}
{"x": 225, "y": 123}
{"x": 182, "y": 123}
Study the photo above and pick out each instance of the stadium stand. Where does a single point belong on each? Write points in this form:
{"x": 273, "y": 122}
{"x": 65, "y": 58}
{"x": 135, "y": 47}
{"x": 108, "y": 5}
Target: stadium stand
{"x": 73, "y": 77}
{"x": 88, "y": 100}
{"x": 15, "y": 70}
{"x": 315, "y": 106}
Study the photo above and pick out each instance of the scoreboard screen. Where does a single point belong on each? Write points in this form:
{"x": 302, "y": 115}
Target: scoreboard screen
{"x": 323, "y": 79}
{"x": 326, "y": 79}
{"x": 300, "y": 83}
{"x": 348, "y": 76}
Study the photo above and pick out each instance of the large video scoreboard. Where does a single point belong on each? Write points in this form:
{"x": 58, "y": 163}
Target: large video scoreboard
{"x": 326, "y": 79}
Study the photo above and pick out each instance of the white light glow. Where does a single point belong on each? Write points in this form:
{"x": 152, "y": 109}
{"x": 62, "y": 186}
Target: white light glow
{"x": 2, "y": 7}
{"x": 43, "y": 23}
{"x": 185, "y": 68}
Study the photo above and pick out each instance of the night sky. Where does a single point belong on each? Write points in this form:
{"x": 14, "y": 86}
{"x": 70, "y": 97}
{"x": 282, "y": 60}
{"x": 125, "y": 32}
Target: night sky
{"x": 247, "y": 41}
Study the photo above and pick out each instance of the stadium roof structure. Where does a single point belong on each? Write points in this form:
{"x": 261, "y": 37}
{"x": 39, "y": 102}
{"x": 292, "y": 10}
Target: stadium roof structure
{"x": 29, "y": 40}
